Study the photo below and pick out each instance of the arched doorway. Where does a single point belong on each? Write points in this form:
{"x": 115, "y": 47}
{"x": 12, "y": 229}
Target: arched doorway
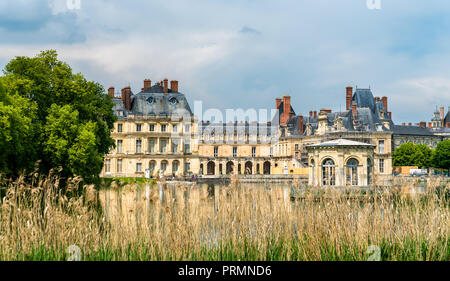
{"x": 351, "y": 172}
{"x": 248, "y": 167}
{"x": 266, "y": 168}
{"x": 229, "y": 167}
{"x": 328, "y": 172}
{"x": 211, "y": 167}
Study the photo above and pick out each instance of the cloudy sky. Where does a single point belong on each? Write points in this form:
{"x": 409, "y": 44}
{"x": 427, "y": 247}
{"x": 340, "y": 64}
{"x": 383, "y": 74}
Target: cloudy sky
{"x": 245, "y": 53}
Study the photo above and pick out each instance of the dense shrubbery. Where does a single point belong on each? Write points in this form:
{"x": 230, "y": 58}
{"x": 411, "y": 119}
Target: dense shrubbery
{"x": 48, "y": 113}
{"x": 410, "y": 154}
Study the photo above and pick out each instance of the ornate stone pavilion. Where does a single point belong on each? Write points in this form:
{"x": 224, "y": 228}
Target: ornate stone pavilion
{"x": 340, "y": 162}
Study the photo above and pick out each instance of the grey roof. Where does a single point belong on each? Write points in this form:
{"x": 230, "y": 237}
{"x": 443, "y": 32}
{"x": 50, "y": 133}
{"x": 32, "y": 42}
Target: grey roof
{"x": 368, "y": 117}
{"x": 153, "y": 101}
{"x": 241, "y": 127}
{"x": 411, "y": 130}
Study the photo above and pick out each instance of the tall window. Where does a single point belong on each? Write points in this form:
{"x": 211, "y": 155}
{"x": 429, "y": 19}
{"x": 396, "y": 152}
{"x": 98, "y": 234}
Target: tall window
{"x": 138, "y": 167}
{"x": 313, "y": 169}
{"x": 187, "y": 128}
{"x": 234, "y": 151}
{"x": 187, "y": 167}
{"x": 174, "y": 128}
{"x": 381, "y": 146}
{"x": 174, "y": 146}
{"x": 369, "y": 171}
{"x": 328, "y": 172}
{"x": 108, "y": 166}
{"x": 151, "y": 127}
{"x": 381, "y": 168}
{"x": 138, "y": 146}
{"x": 216, "y": 151}
{"x": 163, "y": 127}
{"x": 119, "y": 146}
{"x": 187, "y": 147}
{"x": 296, "y": 146}
{"x": 119, "y": 165}
{"x": 138, "y": 127}
{"x": 351, "y": 172}
{"x": 271, "y": 151}
{"x": 253, "y": 151}
{"x": 175, "y": 166}
{"x": 119, "y": 128}
{"x": 163, "y": 166}
{"x": 163, "y": 146}
{"x": 151, "y": 145}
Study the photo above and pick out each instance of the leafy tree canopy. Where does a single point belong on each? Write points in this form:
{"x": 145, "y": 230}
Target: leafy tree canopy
{"x": 441, "y": 157}
{"x": 409, "y": 154}
{"x": 50, "y": 114}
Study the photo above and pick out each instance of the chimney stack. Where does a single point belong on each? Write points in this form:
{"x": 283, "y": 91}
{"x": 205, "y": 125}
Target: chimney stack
{"x": 126, "y": 97}
{"x": 147, "y": 84}
{"x": 429, "y": 125}
{"x": 441, "y": 114}
{"x": 409, "y": 124}
{"x": 385, "y": 103}
{"x": 166, "y": 86}
{"x": 300, "y": 124}
{"x": 315, "y": 115}
{"x": 174, "y": 86}
{"x": 286, "y": 110}
{"x": 423, "y": 124}
{"x": 348, "y": 97}
{"x": 277, "y": 103}
{"x": 111, "y": 92}
{"x": 390, "y": 114}
{"x": 310, "y": 114}
{"x": 354, "y": 111}
{"x": 403, "y": 124}
{"x": 327, "y": 110}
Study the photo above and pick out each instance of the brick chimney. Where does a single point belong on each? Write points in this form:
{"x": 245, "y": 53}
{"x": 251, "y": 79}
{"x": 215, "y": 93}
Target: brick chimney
{"x": 174, "y": 86}
{"x": 390, "y": 114}
{"x": 385, "y": 104}
{"x": 423, "y": 124}
{"x": 348, "y": 97}
{"x": 126, "y": 97}
{"x": 166, "y": 86}
{"x": 315, "y": 114}
{"x": 429, "y": 125}
{"x": 286, "y": 110}
{"x": 111, "y": 91}
{"x": 354, "y": 111}
{"x": 147, "y": 84}
{"x": 409, "y": 124}
{"x": 310, "y": 114}
{"x": 277, "y": 103}
{"x": 327, "y": 110}
{"x": 441, "y": 114}
{"x": 403, "y": 124}
{"x": 300, "y": 124}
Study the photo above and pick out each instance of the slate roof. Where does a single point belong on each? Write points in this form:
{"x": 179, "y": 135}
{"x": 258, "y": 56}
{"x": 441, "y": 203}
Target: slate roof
{"x": 411, "y": 130}
{"x": 240, "y": 127}
{"x": 153, "y": 101}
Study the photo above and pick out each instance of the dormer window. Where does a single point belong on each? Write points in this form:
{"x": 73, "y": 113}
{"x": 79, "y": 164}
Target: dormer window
{"x": 150, "y": 100}
{"x": 381, "y": 114}
{"x": 173, "y": 101}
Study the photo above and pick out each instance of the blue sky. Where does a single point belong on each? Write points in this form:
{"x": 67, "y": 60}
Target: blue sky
{"x": 244, "y": 54}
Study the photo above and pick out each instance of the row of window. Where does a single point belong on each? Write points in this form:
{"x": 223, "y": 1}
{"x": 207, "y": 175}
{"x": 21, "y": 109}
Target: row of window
{"x": 152, "y": 127}
{"x": 152, "y": 146}
{"x": 163, "y": 168}
{"x": 351, "y": 171}
{"x": 216, "y": 151}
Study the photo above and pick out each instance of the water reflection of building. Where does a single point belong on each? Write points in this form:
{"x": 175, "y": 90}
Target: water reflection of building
{"x": 157, "y": 132}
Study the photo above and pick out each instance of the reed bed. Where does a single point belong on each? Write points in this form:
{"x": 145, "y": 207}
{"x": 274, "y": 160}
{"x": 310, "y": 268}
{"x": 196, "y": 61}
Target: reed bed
{"x": 40, "y": 221}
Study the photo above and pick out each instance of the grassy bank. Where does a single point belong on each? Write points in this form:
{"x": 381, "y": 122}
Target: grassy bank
{"x": 39, "y": 222}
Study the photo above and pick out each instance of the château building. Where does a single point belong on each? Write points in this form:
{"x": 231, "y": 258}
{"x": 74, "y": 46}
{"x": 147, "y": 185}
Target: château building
{"x": 157, "y": 134}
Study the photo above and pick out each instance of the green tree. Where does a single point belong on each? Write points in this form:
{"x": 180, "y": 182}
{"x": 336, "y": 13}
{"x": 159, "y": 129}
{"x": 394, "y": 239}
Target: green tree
{"x": 63, "y": 108}
{"x": 404, "y": 155}
{"x": 441, "y": 157}
{"x": 423, "y": 156}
